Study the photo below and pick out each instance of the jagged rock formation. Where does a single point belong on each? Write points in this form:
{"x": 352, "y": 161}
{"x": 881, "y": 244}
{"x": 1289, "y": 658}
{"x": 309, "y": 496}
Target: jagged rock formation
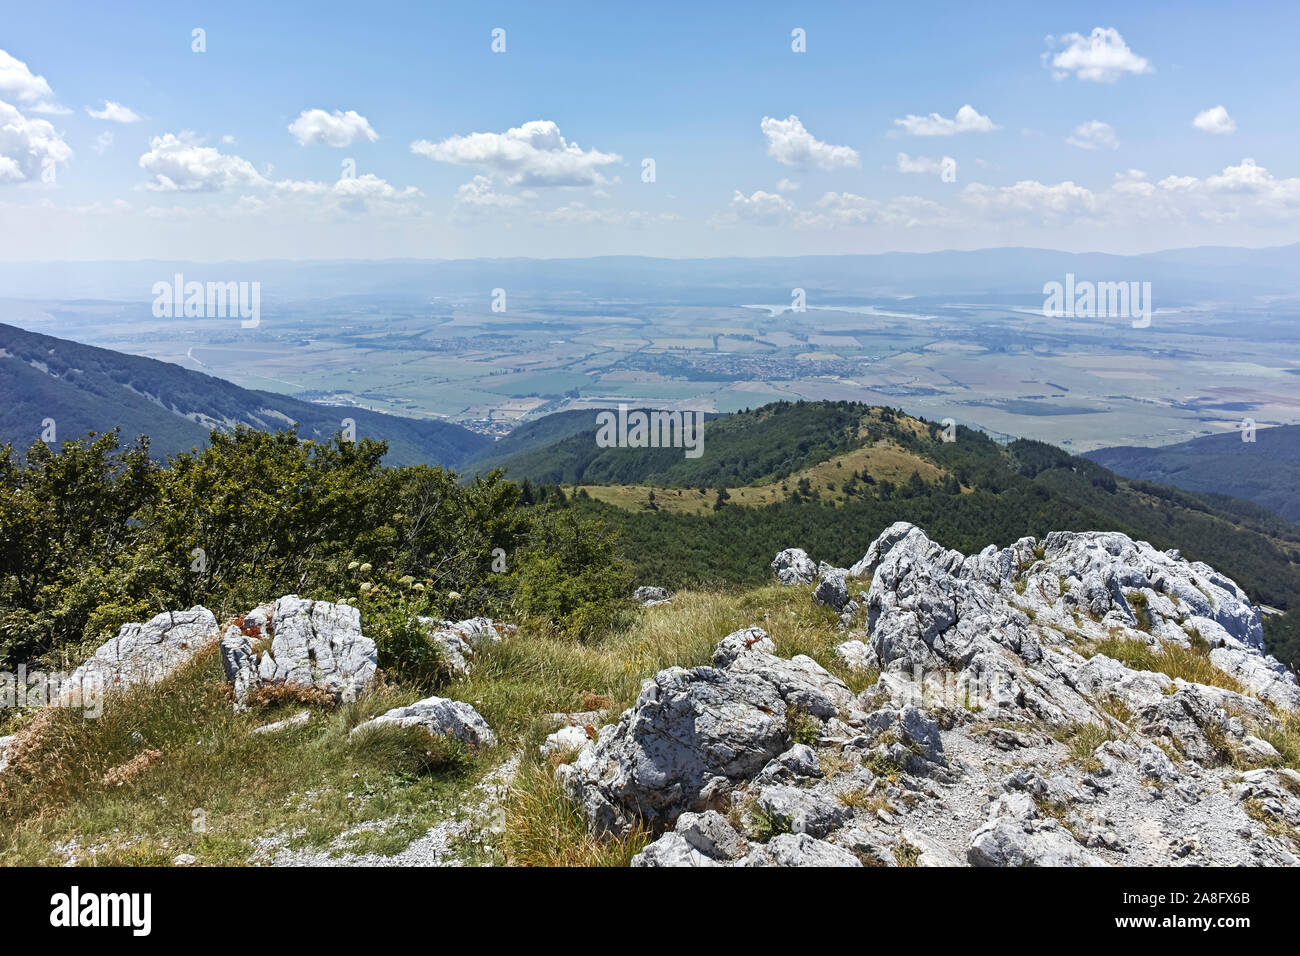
{"x": 143, "y": 653}
{"x": 440, "y": 717}
{"x": 793, "y": 566}
{"x": 308, "y": 644}
{"x": 996, "y": 733}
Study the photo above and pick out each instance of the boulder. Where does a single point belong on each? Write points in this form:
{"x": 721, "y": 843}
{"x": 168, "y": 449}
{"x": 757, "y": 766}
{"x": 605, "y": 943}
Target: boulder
{"x": 801, "y": 811}
{"x": 565, "y": 739}
{"x": 793, "y": 566}
{"x": 301, "y": 643}
{"x": 1018, "y": 835}
{"x": 832, "y": 587}
{"x": 649, "y": 595}
{"x": 457, "y": 640}
{"x": 143, "y": 653}
{"x": 700, "y": 839}
{"x": 693, "y": 734}
{"x": 799, "y": 849}
{"x": 441, "y": 718}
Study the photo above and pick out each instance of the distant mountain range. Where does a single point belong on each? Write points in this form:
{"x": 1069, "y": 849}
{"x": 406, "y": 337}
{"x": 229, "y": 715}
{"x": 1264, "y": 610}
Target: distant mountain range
{"x": 1265, "y": 471}
{"x": 83, "y": 388}
{"x": 1178, "y": 275}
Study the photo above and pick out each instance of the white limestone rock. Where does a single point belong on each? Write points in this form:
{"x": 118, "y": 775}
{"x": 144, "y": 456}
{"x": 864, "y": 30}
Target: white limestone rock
{"x": 441, "y": 718}
{"x": 300, "y": 643}
{"x": 143, "y": 653}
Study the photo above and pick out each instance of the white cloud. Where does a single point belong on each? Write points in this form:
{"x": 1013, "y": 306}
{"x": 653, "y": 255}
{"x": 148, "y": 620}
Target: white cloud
{"x": 923, "y": 164}
{"x": 369, "y": 193}
{"x": 115, "y": 113}
{"x": 967, "y": 120}
{"x": 787, "y": 186}
{"x": 318, "y": 128}
{"x": 182, "y": 164}
{"x": 762, "y": 207}
{"x": 1102, "y": 57}
{"x": 1093, "y": 134}
{"x": 848, "y": 210}
{"x": 480, "y": 194}
{"x": 1245, "y": 194}
{"x": 1216, "y": 121}
{"x": 789, "y": 143}
{"x": 576, "y": 213}
{"x": 31, "y": 92}
{"x": 534, "y": 154}
{"x": 29, "y": 148}
{"x": 102, "y": 142}
{"x": 1029, "y": 199}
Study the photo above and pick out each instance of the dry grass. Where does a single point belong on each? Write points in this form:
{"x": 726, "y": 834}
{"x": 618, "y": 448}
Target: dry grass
{"x": 1188, "y": 663}
{"x": 132, "y": 783}
{"x": 316, "y": 781}
{"x": 543, "y": 827}
{"x": 123, "y": 774}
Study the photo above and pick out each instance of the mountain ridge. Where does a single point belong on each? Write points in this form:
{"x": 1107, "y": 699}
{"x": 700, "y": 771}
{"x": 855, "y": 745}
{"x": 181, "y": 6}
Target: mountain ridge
{"x": 86, "y": 388}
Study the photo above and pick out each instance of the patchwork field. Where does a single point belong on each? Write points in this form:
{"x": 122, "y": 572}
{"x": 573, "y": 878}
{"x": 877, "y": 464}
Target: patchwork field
{"x": 1079, "y": 384}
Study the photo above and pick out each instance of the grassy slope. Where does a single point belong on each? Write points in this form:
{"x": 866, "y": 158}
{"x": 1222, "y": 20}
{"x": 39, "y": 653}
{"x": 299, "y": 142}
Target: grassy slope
{"x": 384, "y": 789}
{"x": 315, "y": 782}
{"x": 94, "y": 389}
{"x": 884, "y": 460}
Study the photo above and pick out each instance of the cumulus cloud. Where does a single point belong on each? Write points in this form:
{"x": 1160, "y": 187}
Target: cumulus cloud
{"x": 761, "y": 207}
{"x": 1215, "y": 121}
{"x": 319, "y": 128}
{"x": 115, "y": 112}
{"x": 967, "y": 120}
{"x": 923, "y": 164}
{"x": 1093, "y": 134}
{"x": 102, "y": 142}
{"x": 182, "y": 164}
{"x": 31, "y": 92}
{"x": 1101, "y": 57}
{"x": 786, "y": 186}
{"x": 480, "y": 194}
{"x": 577, "y": 213}
{"x": 30, "y": 149}
{"x": 1243, "y": 194}
{"x": 1030, "y": 199}
{"x": 534, "y": 154}
{"x": 789, "y": 143}
{"x": 848, "y": 210}
{"x": 834, "y": 210}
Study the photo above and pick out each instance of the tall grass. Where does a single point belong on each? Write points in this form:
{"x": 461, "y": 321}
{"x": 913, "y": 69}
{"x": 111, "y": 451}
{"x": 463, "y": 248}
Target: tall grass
{"x": 314, "y": 781}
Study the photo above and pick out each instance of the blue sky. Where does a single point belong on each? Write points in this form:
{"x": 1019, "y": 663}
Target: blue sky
{"x": 1078, "y": 128}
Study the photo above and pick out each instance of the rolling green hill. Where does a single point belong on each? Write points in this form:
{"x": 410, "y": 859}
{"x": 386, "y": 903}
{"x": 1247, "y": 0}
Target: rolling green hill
{"x": 830, "y": 476}
{"x": 1265, "y": 471}
{"x": 83, "y": 388}
{"x": 766, "y": 443}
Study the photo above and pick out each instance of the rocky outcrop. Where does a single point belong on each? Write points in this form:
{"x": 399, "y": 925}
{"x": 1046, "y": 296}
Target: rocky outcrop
{"x": 440, "y": 717}
{"x": 300, "y": 643}
{"x": 650, "y": 596}
{"x": 793, "y": 566}
{"x": 995, "y": 735}
{"x": 458, "y": 640}
{"x": 692, "y": 734}
{"x": 143, "y": 653}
